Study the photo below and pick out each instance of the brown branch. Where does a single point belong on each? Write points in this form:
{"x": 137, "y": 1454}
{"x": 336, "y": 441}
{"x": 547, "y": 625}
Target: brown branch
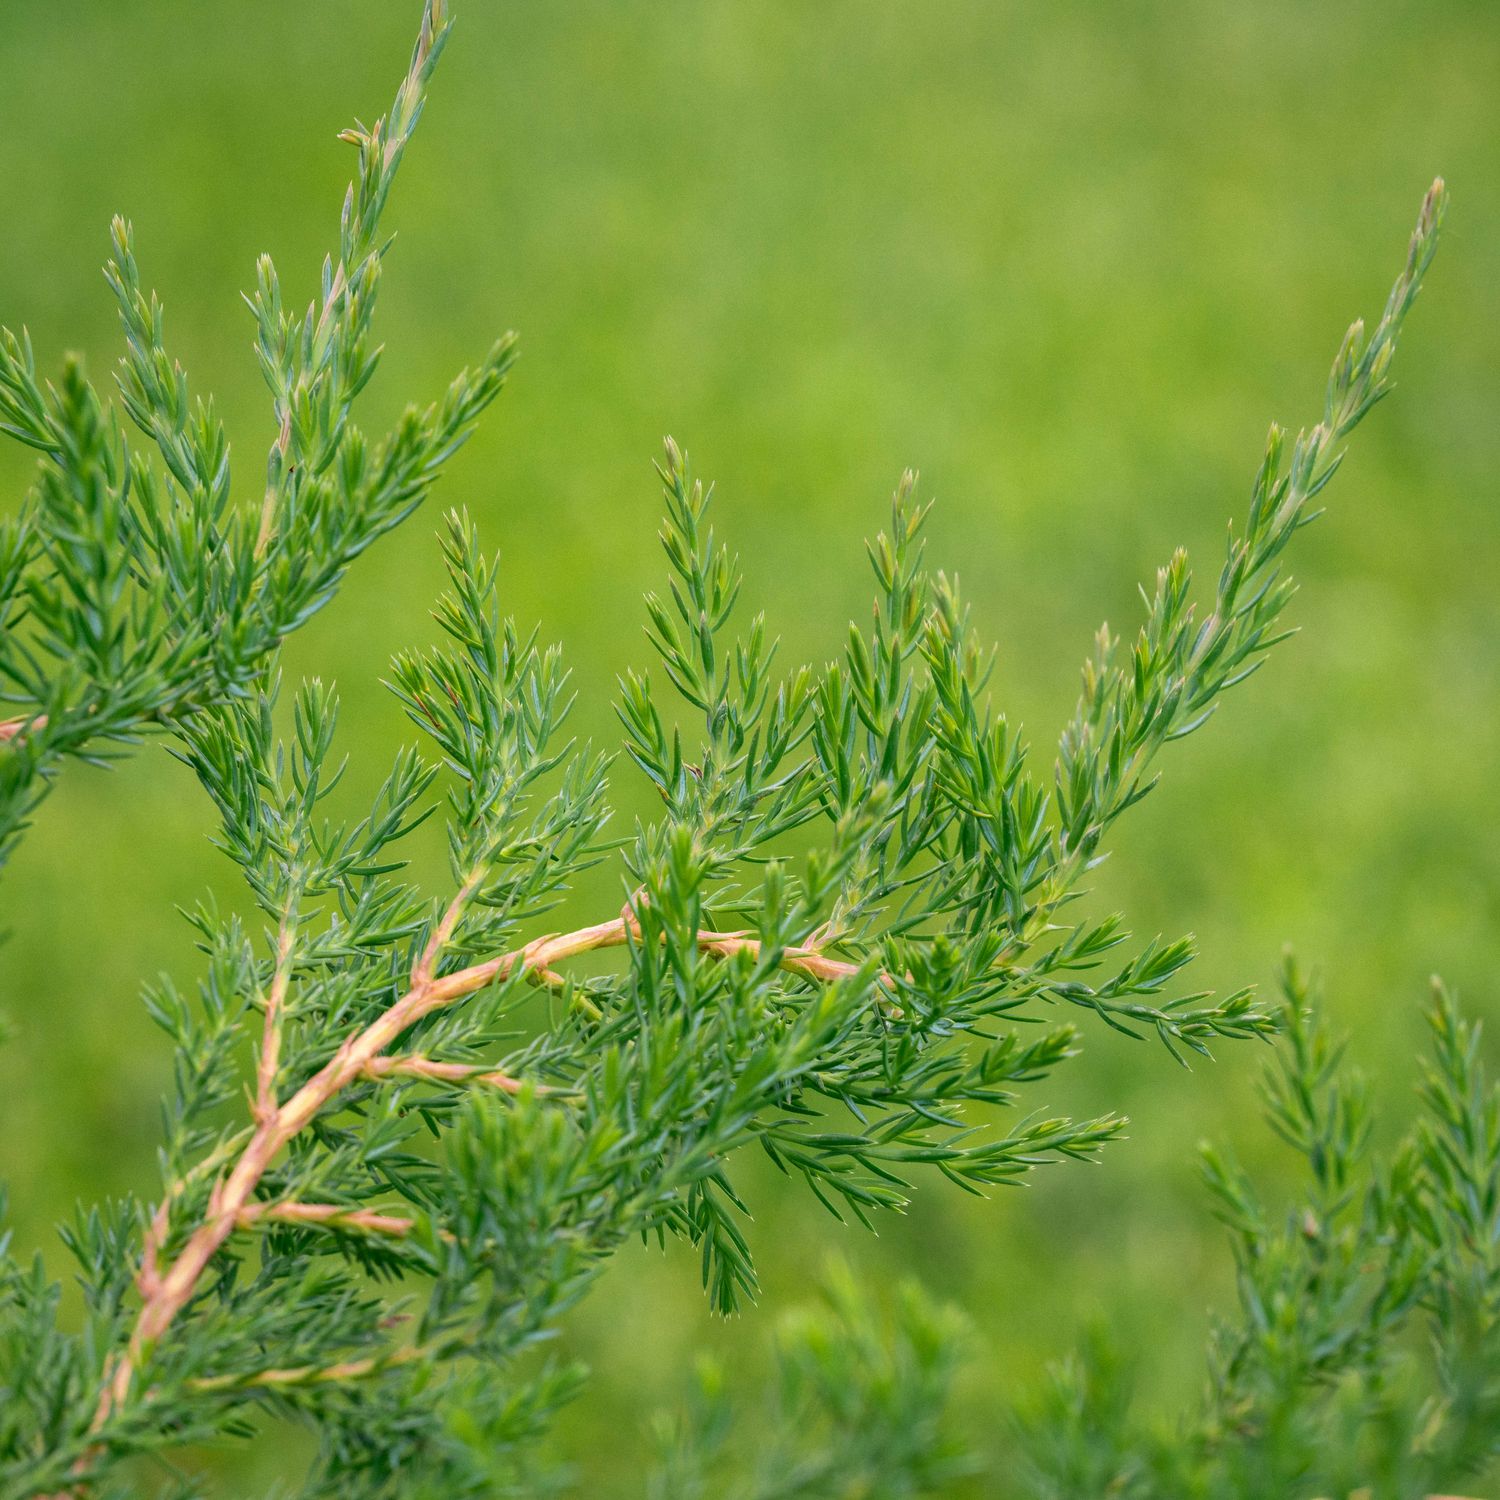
{"x": 334, "y": 1215}
{"x": 808, "y": 962}
{"x": 166, "y": 1292}
{"x": 444, "y": 1072}
{"x": 160, "y": 1226}
{"x": 270, "y": 1047}
{"x": 422, "y": 970}
{"x": 11, "y": 729}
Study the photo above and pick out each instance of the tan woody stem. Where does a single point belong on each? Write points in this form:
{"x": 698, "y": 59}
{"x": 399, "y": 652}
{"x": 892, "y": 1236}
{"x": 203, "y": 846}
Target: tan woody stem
{"x": 166, "y": 1291}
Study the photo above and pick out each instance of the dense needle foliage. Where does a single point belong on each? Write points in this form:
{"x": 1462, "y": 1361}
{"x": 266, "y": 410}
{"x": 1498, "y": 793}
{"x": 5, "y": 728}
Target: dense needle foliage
{"x": 408, "y": 1128}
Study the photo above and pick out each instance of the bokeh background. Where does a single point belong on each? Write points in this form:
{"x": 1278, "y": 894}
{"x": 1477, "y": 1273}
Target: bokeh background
{"x": 1068, "y": 260}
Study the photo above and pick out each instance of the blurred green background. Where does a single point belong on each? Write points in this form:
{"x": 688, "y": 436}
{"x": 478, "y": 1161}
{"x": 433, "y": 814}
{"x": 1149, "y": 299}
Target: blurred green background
{"x": 1068, "y": 260}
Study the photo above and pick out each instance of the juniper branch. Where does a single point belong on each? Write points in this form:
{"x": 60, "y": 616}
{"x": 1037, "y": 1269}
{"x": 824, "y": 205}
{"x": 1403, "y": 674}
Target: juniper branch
{"x": 840, "y": 932}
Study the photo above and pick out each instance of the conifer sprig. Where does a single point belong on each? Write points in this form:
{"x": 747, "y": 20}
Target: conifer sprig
{"x": 134, "y": 591}
{"x": 1180, "y": 665}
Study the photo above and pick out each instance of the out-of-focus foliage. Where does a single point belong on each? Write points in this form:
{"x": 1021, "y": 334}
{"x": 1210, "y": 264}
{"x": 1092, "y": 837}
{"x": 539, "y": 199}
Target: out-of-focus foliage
{"x": 1066, "y": 264}
{"x": 862, "y": 1405}
{"x": 1364, "y": 1355}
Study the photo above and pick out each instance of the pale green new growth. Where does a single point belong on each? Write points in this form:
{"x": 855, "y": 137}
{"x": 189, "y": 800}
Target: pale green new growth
{"x": 387, "y": 1171}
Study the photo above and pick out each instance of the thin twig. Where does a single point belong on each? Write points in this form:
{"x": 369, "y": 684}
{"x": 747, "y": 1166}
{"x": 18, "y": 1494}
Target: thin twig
{"x": 349, "y": 1369}
{"x": 270, "y": 1046}
{"x": 427, "y": 961}
{"x": 267, "y": 528}
{"x": 445, "y": 1072}
{"x": 11, "y": 729}
{"x": 334, "y": 1215}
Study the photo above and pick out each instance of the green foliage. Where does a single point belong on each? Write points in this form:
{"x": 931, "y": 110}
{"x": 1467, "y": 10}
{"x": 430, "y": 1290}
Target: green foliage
{"x": 843, "y": 939}
{"x": 861, "y": 1406}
